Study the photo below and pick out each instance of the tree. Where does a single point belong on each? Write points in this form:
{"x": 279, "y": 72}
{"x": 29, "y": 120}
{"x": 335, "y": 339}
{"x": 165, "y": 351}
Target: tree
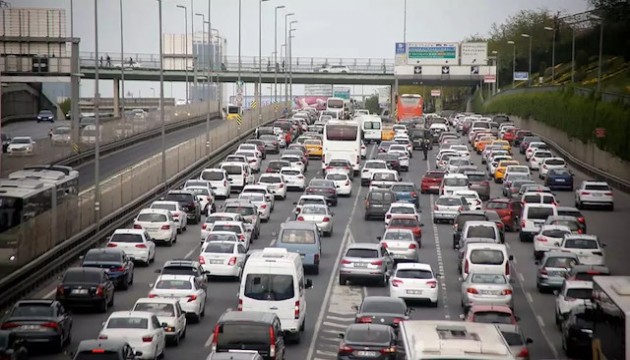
{"x": 371, "y": 104}
{"x": 65, "y": 106}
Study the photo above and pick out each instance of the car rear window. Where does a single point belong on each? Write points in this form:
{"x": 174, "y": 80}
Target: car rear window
{"x": 486, "y": 257}
{"x": 270, "y": 180}
{"x": 269, "y": 287}
{"x": 512, "y": 338}
{"x": 242, "y": 210}
{"x": 102, "y": 256}
{"x": 414, "y": 274}
{"x": 159, "y": 309}
{"x": 169, "y": 207}
{"x": 173, "y": 284}
{"x": 573, "y": 225}
{"x": 219, "y": 248}
{"x": 82, "y": 277}
{"x": 380, "y": 196}
{"x": 398, "y": 236}
{"x": 383, "y": 307}
{"x": 476, "y": 177}
{"x": 588, "y": 275}
{"x": 481, "y": 231}
{"x": 179, "y": 197}
{"x": 539, "y": 213}
{"x": 233, "y": 169}
{"x": 403, "y": 222}
{"x": 580, "y": 244}
{"x": 597, "y": 187}
{"x": 555, "y": 162}
{"x": 363, "y": 253}
{"x": 129, "y": 238}
{"x": 297, "y": 237}
{"x": 578, "y": 293}
{"x": 33, "y": 310}
{"x": 560, "y": 262}
{"x": 449, "y": 201}
{"x": 434, "y": 175}
{"x": 493, "y": 317}
{"x": 555, "y": 233}
{"x": 231, "y": 228}
{"x": 403, "y": 188}
{"x": 128, "y": 323}
{"x": 231, "y": 334}
{"x": 488, "y": 279}
{"x": 212, "y": 175}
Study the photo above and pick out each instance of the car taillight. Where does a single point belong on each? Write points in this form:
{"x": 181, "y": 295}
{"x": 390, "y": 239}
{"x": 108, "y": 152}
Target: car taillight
{"x": 432, "y": 284}
{"x": 263, "y": 206}
{"x": 391, "y": 349}
{"x": 232, "y": 261}
{"x": 435, "y": 207}
{"x": 204, "y": 226}
{"x": 461, "y": 208}
{"x": 239, "y": 307}
{"x": 466, "y": 266}
{"x": 152, "y": 296}
{"x": 99, "y": 291}
{"x": 581, "y": 220}
{"x": 112, "y": 245}
{"x": 377, "y": 262}
{"x": 300, "y": 177}
{"x": 192, "y": 297}
{"x": 165, "y": 227}
{"x": 300, "y": 218}
{"x": 101, "y": 337}
{"x": 506, "y": 292}
{"x": 120, "y": 268}
{"x": 413, "y": 246}
{"x": 137, "y": 226}
{"x": 50, "y": 325}
{"x": 365, "y": 320}
{"x": 241, "y": 237}
{"x": 585, "y": 193}
{"x": 344, "y": 349}
{"x": 384, "y": 244}
{"x": 202, "y": 260}
{"x": 347, "y": 182}
{"x": 541, "y": 238}
{"x": 326, "y": 219}
{"x": 272, "y": 341}
{"x": 598, "y": 253}
{"x": 9, "y": 325}
{"x": 608, "y": 193}
{"x": 524, "y": 353}
{"x": 472, "y": 291}
{"x": 60, "y": 290}
{"x": 281, "y": 186}
{"x": 141, "y": 246}
{"x": 176, "y": 216}
{"x": 225, "y": 183}
{"x": 522, "y": 223}
{"x": 147, "y": 338}
{"x": 296, "y": 310}
{"x": 396, "y": 282}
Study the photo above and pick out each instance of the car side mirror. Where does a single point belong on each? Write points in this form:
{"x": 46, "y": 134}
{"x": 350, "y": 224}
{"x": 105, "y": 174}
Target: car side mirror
{"x": 332, "y": 214}
{"x": 556, "y": 292}
{"x": 511, "y": 257}
{"x": 462, "y": 316}
{"x": 517, "y": 318}
{"x": 151, "y": 285}
{"x": 421, "y": 225}
{"x": 138, "y": 354}
{"x": 529, "y": 341}
{"x": 295, "y": 203}
{"x": 603, "y": 245}
{"x": 309, "y": 284}
{"x": 536, "y": 262}
{"x": 379, "y": 238}
{"x": 164, "y": 324}
{"x": 341, "y": 335}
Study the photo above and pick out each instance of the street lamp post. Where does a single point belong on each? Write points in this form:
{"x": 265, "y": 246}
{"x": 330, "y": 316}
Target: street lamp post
{"x": 97, "y": 123}
{"x": 529, "y": 76}
{"x": 162, "y": 119}
{"x": 203, "y": 43}
{"x": 240, "y": 7}
{"x": 553, "y": 52}
{"x": 511, "y": 42}
{"x": 573, "y": 55}
{"x": 405, "y": 22}
{"x": 291, "y": 63}
{"x": 601, "y": 49}
{"x": 192, "y": 41}
{"x": 275, "y": 52}
{"x": 259, "y": 87}
{"x": 496, "y": 63}
{"x": 209, "y": 75}
{"x": 186, "y": 42}
{"x": 286, "y": 50}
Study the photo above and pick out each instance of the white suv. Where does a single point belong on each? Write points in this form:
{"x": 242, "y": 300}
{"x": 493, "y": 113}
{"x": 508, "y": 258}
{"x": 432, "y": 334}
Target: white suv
{"x": 594, "y": 193}
{"x": 533, "y": 217}
{"x": 219, "y": 181}
{"x": 369, "y": 167}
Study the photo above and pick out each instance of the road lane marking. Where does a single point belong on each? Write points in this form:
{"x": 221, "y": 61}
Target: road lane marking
{"x": 333, "y": 275}
{"x": 521, "y": 277}
{"x": 540, "y": 321}
{"x": 529, "y": 297}
{"x": 209, "y": 341}
{"x": 50, "y": 294}
{"x": 272, "y": 243}
{"x": 190, "y": 253}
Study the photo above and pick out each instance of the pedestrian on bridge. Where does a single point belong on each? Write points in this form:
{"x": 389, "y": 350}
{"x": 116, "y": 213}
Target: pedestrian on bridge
{"x": 108, "y": 61}
{"x": 101, "y": 61}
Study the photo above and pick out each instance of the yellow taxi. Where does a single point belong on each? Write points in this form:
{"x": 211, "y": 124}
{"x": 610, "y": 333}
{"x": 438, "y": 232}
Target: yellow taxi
{"x": 480, "y": 145}
{"x": 387, "y": 134}
{"x": 314, "y": 147}
{"x": 505, "y": 145}
{"x": 500, "y": 172}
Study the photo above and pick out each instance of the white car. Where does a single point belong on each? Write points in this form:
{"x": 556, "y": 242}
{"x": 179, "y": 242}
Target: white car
{"x": 179, "y": 215}
{"x": 136, "y": 243}
{"x": 212, "y": 218}
{"x": 242, "y": 233}
{"x": 447, "y": 207}
{"x": 414, "y": 281}
{"x": 252, "y": 159}
{"x": 21, "y": 145}
{"x": 401, "y": 208}
{"x": 250, "y": 147}
{"x": 369, "y": 167}
{"x": 573, "y": 293}
{"x": 219, "y": 181}
{"x": 294, "y": 178}
{"x": 141, "y": 329}
{"x": 335, "y": 69}
{"x": 462, "y": 151}
{"x": 308, "y": 199}
{"x": 275, "y": 183}
{"x": 205, "y": 196}
{"x": 262, "y": 204}
{"x": 223, "y": 258}
{"x": 158, "y": 223}
{"x": 549, "y": 239}
{"x": 169, "y": 312}
{"x": 550, "y": 163}
{"x": 342, "y": 182}
{"x": 537, "y": 157}
{"x": 533, "y": 147}
{"x": 594, "y": 193}
{"x": 188, "y": 289}
{"x": 295, "y": 162}
{"x": 587, "y": 248}
{"x": 403, "y": 158}
{"x": 472, "y": 197}
{"x": 262, "y": 189}
{"x": 400, "y": 130}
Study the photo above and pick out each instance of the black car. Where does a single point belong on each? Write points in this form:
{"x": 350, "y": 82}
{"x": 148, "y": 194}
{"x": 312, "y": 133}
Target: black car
{"x": 275, "y": 166}
{"x": 249, "y": 330}
{"x": 382, "y": 310}
{"x": 367, "y": 341}
{"x": 113, "y": 349}
{"x": 393, "y": 162}
{"x": 184, "y": 267}
{"x": 189, "y": 202}
{"x": 6, "y": 140}
{"x": 40, "y": 322}
{"x": 377, "y": 202}
{"x": 325, "y": 188}
{"x": 271, "y": 143}
{"x": 11, "y": 346}
{"x": 577, "y": 331}
{"x": 419, "y": 136}
{"x": 86, "y": 287}
{"x": 118, "y": 265}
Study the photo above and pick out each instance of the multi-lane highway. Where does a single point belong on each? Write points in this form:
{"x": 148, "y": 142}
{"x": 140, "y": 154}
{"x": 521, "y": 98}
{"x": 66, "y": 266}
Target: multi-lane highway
{"x": 329, "y": 308}
{"x": 31, "y": 128}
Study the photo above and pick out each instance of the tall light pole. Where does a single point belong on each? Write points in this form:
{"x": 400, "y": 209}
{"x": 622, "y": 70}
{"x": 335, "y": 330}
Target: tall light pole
{"x": 192, "y": 41}
{"x": 291, "y": 64}
{"x": 162, "y": 120}
{"x": 186, "y": 42}
{"x": 201, "y": 57}
{"x": 529, "y": 76}
{"x": 286, "y": 50}
{"x": 511, "y": 42}
{"x": 122, "y": 63}
{"x": 259, "y": 87}
{"x": 405, "y": 22}
{"x": 553, "y": 51}
{"x": 275, "y": 52}
{"x": 97, "y": 123}
{"x": 496, "y": 63}
{"x": 573, "y": 55}
{"x": 209, "y": 75}
{"x": 601, "y": 50}
{"x": 240, "y": 18}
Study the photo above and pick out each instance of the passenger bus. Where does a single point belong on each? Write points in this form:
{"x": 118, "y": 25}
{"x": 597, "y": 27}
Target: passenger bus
{"x": 342, "y": 140}
{"x": 611, "y": 318}
{"x": 336, "y": 105}
{"x": 409, "y": 106}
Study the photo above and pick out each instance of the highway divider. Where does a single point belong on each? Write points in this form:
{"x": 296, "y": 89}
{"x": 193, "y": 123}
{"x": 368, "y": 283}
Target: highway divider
{"x": 122, "y": 196}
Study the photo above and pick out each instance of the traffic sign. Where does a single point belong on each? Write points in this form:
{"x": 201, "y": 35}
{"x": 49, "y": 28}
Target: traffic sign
{"x": 446, "y": 70}
{"x": 75, "y": 148}
{"x": 474, "y": 70}
{"x": 239, "y": 99}
{"x": 436, "y": 92}
{"x": 239, "y": 120}
{"x": 488, "y": 79}
{"x": 600, "y": 133}
{"x": 254, "y": 104}
{"x": 417, "y": 70}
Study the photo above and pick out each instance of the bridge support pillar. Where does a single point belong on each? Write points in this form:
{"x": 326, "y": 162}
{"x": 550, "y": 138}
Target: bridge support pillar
{"x": 117, "y": 98}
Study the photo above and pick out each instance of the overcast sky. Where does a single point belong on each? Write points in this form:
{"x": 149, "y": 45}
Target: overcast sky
{"x": 325, "y": 28}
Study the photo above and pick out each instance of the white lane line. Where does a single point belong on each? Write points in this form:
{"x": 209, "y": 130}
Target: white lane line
{"x": 287, "y": 219}
{"x": 341, "y": 326}
{"x": 521, "y": 277}
{"x": 272, "y": 243}
{"x": 190, "y": 253}
{"x": 540, "y": 321}
{"x": 50, "y": 294}
{"x": 209, "y": 341}
{"x": 529, "y": 297}
{"x": 333, "y": 276}
{"x": 339, "y": 318}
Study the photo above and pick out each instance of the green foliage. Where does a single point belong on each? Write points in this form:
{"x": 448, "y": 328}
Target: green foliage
{"x": 65, "y": 106}
{"x": 477, "y": 102}
{"x": 371, "y": 104}
{"x": 576, "y": 115}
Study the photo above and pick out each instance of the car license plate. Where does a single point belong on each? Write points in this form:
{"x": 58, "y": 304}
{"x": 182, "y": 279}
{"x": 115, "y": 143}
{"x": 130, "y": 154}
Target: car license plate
{"x": 79, "y": 291}
{"x": 377, "y": 205}
{"x": 367, "y": 353}
{"x": 560, "y": 180}
{"x": 29, "y": 327}
{"x": 597, "y": 195}
{"x": 216, "y": 261}
{"x": 414, "y": 292}
{"x": 487, "y": 292}
{"x": 360, "y": 265}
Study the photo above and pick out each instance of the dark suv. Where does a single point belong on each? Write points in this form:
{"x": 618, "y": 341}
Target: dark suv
{"x": 83, "y": 286}
{"x": 112, "y": 349}
{"x": 118, "y": 265}
{"x": 189, "y": 202}
{"x": 184, "y": 267}
{"x": 377, "y": 202}
{"x": 249, "y": 330}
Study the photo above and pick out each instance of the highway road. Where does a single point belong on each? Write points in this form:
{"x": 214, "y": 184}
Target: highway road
{"x": 32, "y": 128}
{"x": 329, "y": 308}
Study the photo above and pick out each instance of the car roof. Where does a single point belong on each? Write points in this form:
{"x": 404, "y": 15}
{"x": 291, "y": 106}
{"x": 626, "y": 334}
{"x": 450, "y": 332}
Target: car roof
{"x": 419, "y": 266}
{"x": 48, "y": 302}
{"x": 247, "y": 316}
{"x": 175, "y": 277}
{"x": 130, "y": 231}
{"x": 372, "y": 246}
{"x": 154, "y": 211}
{"x": 298, "y": 225}
{"x": 382, "y": 299}
{"x": 578, "y": 284}
{"x": 158, "y": 300}
{"x": 180, "y": 262}
{"x": 107, "y": 250}
{"x": 562, "y": 254}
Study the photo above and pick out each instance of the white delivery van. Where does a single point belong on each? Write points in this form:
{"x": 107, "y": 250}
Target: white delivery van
{"x": 486, "y": 259}
{"x": 273, "y": 280}
{"x": 372, "y": 127}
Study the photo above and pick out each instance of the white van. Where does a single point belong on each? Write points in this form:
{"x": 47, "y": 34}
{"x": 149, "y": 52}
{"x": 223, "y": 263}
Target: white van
{"x": 481, "y": 229}
{"x": 533, "y": 217}
{"x": 483, "y": 258}
{"x": 453, "y": 182}
{"x": 372, "y": 127}
{"x": 273, "y": 280}
{"x": 239, "y": 174}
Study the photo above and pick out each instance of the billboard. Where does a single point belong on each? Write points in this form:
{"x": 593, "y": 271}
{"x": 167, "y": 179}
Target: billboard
{"x": 432, "y": 53}
{"x": 318, "y": 89}
{"x": 475, "y": 53}
{"x": 521, "y": 76}
{"x": 317, "y": 102}
{"x": 341, "y": 92}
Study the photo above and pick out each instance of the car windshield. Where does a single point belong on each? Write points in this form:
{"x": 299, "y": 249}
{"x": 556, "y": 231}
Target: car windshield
{"x": 82, "y": 277}
{"x": 512, "y": 338}
{"x": 493, "y": 317}
{"x": 486, "y": 257}
{"x": 126, "y": 238}
{"x": 33, "y": 310}
{"x": 383, "y": 307}
{"x": 219, "y": 248}
{"x": 488, "y": 279}
{"x": 174, "y": 284}
{"x": 580, "y": 293}
{"x": 159, "y": 309}
{"x": 414, "y": 274}
{"x": 297, "y": 237}
{"x": 270, "y": 180}
{"x": 269, "y": 287}
{"x": 560, "y": 262}
{"x": 128, "y": 323}
{"x": 581, "y": 244}
{"x": 148, "y": 217}
{"x": 362, "y": 253}
{"x": 481, "y": 231}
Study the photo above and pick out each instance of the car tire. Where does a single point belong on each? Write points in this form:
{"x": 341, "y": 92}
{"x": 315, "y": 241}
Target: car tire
{"x": 131, "y": 280}
{"x": 434, "y": 304}
{"x": 179, "y": 230}
{"x": 342, "y": 280}
{"x": 103, "y": 307}
{"x": 383, "y": 282}
{"x": 58, "y": 346}
{"x": 124, "y": 285}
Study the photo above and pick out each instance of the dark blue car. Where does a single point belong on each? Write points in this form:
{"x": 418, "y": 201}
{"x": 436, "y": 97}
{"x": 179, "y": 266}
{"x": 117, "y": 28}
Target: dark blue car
{"x": 406, "y": 192}
{"x": 561, "y": 179}
{"x": 117, "y": 264}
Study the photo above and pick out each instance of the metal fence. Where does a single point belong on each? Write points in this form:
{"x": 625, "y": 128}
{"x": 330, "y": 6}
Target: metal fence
{"x": 39, "y": 234}
{"x": 47, "y": 151}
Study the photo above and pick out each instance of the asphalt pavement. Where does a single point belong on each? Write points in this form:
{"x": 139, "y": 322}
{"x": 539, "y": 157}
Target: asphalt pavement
{"x": 329, "y": 306}
{"x": 32, "y": 128}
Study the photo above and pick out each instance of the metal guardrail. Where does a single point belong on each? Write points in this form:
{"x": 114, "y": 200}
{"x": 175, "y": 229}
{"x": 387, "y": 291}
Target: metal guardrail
{"x": 34, "y": 273}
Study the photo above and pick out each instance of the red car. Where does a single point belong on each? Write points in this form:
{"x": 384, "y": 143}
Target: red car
{"x": 491, "y": 314}
{"x": 431, "y": 182}
{"x": 508, "y": 135}
{"x": 508, "y": 209}
{"x": 407, "y": 222}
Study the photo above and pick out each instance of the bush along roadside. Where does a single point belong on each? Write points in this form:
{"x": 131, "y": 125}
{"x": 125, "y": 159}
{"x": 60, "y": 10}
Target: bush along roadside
{"x": 576, "y": 115}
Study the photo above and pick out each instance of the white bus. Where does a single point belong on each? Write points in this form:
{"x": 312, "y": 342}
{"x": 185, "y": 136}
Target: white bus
{"x": 372, "y": 127}
{"x": 342, "y": 140}
{"x": 611, "y": 318}
{"x": 336, "y": 105}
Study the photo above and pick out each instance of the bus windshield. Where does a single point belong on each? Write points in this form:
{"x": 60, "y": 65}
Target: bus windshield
{"x": 335, "y": 104}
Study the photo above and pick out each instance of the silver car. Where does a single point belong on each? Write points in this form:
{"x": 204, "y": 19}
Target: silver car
{"x": 447, "y": 207}
{"x": 366, "y": 261}
{"x": 486, "y": 289}
{"x": 320, "y": 215}
{"x": 401, "y": 245}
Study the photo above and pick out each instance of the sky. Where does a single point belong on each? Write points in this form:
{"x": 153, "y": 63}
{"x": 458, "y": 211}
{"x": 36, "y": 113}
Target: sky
{"x": 325, "y": 29}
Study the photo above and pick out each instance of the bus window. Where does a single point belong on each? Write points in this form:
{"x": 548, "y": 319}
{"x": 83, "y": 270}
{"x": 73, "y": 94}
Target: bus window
{"x": 341, "y": 132}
